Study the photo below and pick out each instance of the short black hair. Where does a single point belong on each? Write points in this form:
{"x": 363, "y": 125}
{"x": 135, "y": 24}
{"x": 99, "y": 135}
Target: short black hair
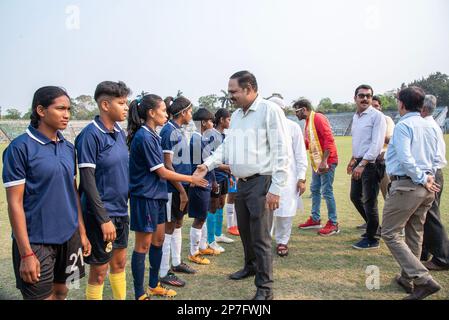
{"x": 302, "y": 103}
{"x": 377, "y": 98}
{"x": 111, "y": 89}
{"x": 412, "y": 98}
{"x": 245, "y": 79}
{"x": 363, "y": 86}
{"x": 202, "y": 114}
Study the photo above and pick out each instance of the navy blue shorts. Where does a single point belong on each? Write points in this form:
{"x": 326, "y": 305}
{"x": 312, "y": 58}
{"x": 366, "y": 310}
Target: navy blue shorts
{"x": 199, "y": 199}
{"x": 100, "y": 254}
{"x": 146, "y": 214}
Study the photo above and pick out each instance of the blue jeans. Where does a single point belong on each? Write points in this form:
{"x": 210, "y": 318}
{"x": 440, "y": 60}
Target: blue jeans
{"x": 322, "y": 183}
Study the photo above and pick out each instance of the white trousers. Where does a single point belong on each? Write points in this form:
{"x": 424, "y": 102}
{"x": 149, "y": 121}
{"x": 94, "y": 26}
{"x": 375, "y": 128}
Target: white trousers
{"x": 282, "y": 229}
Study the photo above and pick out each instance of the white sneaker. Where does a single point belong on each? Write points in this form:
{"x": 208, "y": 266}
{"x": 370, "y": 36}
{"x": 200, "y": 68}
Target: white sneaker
{"x": 223, "y": 239}
{"x": 214, "y": 245}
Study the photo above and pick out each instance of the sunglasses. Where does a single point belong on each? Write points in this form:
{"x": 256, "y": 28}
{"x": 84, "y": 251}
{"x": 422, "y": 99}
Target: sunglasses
{"x": 362, "y": 96}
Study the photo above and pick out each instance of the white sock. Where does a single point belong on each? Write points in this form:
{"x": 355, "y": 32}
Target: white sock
{"x": 229, "y": 215}
{"x": 176, "y": 243}
{"x": 195, "y": 236}
{"x": 165, "y": 261}
{"x": 203, "y": 241}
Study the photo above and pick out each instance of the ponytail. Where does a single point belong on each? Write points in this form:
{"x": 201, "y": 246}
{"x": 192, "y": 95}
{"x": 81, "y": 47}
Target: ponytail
{"x": 221, "y": 113}
{"x": 138, "y": 113}
{"x": 176, "y": 106}
{"x": 134, "y": 121}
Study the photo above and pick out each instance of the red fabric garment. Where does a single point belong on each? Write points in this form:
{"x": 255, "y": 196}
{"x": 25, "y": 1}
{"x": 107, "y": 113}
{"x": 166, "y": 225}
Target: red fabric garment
{"x": 327, "y": 141}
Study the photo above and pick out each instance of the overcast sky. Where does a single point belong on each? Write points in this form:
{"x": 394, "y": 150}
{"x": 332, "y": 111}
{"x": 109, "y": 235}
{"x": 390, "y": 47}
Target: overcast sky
{"x": 315, "y": 49}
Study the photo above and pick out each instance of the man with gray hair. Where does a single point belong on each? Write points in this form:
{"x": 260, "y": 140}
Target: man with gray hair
{"x": 435, "y": 240}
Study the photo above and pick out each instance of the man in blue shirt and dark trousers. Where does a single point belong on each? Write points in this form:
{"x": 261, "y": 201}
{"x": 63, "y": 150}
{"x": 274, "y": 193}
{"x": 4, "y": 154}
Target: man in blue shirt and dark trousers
{"x": 410, "y": 161}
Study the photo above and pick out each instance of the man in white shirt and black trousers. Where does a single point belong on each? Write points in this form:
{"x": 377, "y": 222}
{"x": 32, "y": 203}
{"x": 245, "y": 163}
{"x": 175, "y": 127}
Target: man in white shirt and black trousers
{"x": 256, "y": 150}
{"x": 368, "y": 136}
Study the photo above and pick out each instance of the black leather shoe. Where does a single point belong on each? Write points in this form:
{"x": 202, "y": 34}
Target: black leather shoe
{"x": 432, "y": 266}
{"x": 242, "y": 274}
{"x": 263, "y": 296}
{"x": 424, "y": 290}
{"x": 404, "y": 284}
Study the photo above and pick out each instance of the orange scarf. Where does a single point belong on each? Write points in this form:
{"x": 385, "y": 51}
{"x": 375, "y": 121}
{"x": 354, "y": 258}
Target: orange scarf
{"x": 315, "y": 150}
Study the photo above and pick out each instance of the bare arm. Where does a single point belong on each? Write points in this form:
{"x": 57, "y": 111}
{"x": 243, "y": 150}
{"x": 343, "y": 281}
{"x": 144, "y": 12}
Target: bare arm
{"x": 168, "y": 162}
{"x": 169, "y": 175}
{"x": 225, "y": 168}
{"x": 29, "y": 266}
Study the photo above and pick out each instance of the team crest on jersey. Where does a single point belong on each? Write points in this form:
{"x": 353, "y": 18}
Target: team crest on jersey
{"x": 108, "y": 247}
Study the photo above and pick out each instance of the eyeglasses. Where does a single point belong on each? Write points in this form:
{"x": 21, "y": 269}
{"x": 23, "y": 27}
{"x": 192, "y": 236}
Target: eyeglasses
{"x": 362, "y": 96}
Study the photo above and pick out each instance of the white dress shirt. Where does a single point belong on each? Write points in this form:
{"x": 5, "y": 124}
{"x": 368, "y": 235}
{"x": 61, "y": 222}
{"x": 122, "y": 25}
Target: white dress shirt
{"x": 256, "y": 144}
{"x": 368, "y": 134}
{"x": 441, "y": 149}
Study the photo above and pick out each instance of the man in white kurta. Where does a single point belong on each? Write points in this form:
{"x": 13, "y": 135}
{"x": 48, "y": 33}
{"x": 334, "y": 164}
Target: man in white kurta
{"x": 291, "y": 194}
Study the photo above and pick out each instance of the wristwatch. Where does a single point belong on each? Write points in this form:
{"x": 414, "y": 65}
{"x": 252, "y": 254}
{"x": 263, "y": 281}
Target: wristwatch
{"x": 302, "y": 180}
{"x": 361, "y": 165}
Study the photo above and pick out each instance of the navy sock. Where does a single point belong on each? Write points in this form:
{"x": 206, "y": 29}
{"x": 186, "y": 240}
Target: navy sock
{"x": 155, "y": 264}
{"x": 138, "y": 270}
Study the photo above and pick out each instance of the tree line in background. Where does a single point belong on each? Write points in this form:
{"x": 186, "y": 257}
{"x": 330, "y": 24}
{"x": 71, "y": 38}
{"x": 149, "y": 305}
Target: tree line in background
{"x": 85, "y": 108}
{"x": 436, "y": 84}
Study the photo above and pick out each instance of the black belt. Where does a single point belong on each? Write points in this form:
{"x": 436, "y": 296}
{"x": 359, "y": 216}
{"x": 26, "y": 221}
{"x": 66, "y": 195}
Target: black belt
{"x": 397, "y": 178}
{"x": 250, "y": 177}
{"x": 360, "y": 160}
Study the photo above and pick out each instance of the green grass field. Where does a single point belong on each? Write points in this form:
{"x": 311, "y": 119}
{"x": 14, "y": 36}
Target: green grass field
{"x": 316, "y": 268}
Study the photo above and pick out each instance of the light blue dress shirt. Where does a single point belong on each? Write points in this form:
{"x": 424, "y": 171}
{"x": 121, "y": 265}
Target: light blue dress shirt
{"x": 413, "y": 149}
{"x": 441, "y": 157}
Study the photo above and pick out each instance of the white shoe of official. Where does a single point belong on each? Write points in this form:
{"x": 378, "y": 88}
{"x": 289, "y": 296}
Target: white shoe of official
{"x": 223, "y": 239}
{"x": 214, "y": 245}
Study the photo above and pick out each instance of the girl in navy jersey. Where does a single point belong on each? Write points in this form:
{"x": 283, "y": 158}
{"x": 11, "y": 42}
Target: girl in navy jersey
{"x": 148, "y": 191}
{"x": 102, "y": 156}
{"x": 175, "y": 145}
{"x": 49, "y": 237}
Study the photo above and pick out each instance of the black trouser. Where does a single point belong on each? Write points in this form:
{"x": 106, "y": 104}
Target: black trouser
{"x": 364, "y": 194}
{"x": 435, "y": 240}
{"x": 254, "y": 221}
